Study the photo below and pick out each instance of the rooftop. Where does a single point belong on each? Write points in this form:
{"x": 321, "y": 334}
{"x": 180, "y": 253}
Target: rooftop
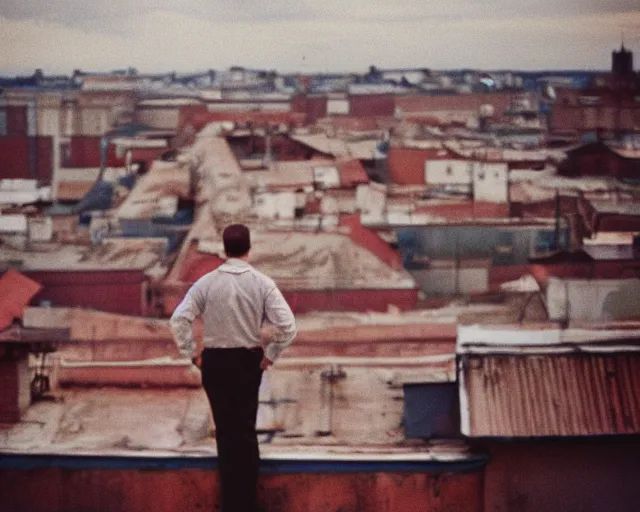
{"x": 549, "y": 382}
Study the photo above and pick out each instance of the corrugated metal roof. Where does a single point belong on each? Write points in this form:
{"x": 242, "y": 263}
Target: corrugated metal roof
{"x": 550, "y": 395}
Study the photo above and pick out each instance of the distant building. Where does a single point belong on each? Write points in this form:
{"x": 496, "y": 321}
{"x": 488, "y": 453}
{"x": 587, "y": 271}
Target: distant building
{"x": 609, "y": 108}
{"x": 600, "y": 159}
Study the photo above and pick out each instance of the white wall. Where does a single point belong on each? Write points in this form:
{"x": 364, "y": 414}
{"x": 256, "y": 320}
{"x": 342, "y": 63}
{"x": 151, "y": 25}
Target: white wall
{"x": 448, "y": 172}
{"x": 593, "y": 299}
{"x": 337, "y": 106}
{"x": 49, "y": 121}
{"x": 491, "y": 182}
{"x": 161, "y": 118}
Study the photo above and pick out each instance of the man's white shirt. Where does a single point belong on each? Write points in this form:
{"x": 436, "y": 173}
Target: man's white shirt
{"x": 235, "y": 301}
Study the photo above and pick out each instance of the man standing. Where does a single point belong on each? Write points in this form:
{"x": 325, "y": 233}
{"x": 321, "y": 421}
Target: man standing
{"x": 234, "y": 301}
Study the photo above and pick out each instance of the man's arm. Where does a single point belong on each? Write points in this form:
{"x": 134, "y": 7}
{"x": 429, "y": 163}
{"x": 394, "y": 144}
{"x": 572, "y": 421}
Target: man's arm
{"x": 182, "y": 321}
{"x": 279, "y": 314}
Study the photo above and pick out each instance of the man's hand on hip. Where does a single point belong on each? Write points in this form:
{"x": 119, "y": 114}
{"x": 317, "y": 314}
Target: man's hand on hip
{"x": 265, "y": 363}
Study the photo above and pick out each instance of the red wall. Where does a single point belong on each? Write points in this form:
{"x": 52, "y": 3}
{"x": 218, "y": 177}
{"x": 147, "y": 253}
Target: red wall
{"x": 53, "y": 489}
{"x": 611, "y": 112}
{"x": 116, "y": 291}
{"x": 505, "y": 273}
{"x": 305, "y": 301}
{"x": 427, "y": 102}
{"x": 315, "y": 107}
{"x": 14, "y": 158}
{"x": 372, "y": 105}
{"x": 16, "y": 120}
{"x": 466, "y": 210}
{"x": 13, "y": 376}
{"x": 406, "y": 165}
{"x": 594, "y": 270}
{"x": 84, "y": 151}
{"x": 563, "y": 475}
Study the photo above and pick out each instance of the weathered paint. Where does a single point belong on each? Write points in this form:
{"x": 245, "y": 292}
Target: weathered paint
{"x": 289, "y": 486}
{"x": 561, "y": 395}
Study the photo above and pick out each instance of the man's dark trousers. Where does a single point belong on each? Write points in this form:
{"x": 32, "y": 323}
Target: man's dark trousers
{"x": 231, "y": 378}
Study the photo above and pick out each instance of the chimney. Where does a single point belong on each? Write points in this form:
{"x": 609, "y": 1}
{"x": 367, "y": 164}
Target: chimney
{"x": 15, "y": 389}
{"x": 268, "y": 152}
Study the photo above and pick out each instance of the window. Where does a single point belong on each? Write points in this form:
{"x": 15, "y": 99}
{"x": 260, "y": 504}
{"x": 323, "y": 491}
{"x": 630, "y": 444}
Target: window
{"x": 431, "y": 410}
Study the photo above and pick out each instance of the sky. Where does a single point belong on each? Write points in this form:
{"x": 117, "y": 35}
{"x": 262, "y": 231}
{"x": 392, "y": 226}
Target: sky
{"x": 59, "y": 36}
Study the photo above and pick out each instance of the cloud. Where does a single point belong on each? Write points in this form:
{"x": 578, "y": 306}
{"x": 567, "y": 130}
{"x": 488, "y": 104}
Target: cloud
{"x": 108, "y": 15}
{"x": 163, "y": 40}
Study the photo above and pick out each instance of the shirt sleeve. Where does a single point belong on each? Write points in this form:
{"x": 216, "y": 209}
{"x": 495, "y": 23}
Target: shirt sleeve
{"x": 181, "y": 321}
{"x": 279, "y": 314}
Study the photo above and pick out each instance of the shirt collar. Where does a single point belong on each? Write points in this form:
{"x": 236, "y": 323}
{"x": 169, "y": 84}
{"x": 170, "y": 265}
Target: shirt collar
{"x": 235, "y": 266}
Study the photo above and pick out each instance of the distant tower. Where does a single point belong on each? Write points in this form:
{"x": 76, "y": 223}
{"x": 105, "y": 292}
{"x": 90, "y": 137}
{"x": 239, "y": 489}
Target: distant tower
{"x": 622, "y": 62}
{"x": 622, "y": 76}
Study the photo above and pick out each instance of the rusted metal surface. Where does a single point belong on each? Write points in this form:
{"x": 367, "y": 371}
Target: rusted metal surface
{"x": 161, "y": 489}
{"x": 537, "y": 395}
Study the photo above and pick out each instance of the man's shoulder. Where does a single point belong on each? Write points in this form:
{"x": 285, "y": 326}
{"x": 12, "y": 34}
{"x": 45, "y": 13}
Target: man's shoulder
{"x": 264, "y": 278}
{"x": 206, "y": 278}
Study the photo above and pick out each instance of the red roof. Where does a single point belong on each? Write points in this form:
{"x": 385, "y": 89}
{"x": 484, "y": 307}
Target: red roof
{"x": 196, "y": 264}
{"x": 16, "y": 291}
{"x": 369, "y": 239}
{"x": 352, "y": 173}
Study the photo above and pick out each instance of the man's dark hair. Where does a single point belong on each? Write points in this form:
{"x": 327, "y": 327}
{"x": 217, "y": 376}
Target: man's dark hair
{"x": 237, "y": 240}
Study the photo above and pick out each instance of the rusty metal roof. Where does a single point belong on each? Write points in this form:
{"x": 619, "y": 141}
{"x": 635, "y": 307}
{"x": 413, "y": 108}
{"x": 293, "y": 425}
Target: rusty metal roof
{"x": 537, "y": 395}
